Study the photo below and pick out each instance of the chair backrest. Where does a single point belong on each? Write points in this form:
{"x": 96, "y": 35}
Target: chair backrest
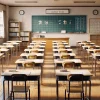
{"x": 32, "y": 57}
{"x": 63, "y": 51}
{"x": 97, "y": 51}
{"x": 19, "y": 77}
{"x": 65, "y": 56}
{"x": 68, "y": 64}
{"x": 75, "y": 77}
{"x": 29, "y": 65}
{"x": 92, "y": 47}
{"x": 36, "y": 51}
{"x": 61, "y": 46}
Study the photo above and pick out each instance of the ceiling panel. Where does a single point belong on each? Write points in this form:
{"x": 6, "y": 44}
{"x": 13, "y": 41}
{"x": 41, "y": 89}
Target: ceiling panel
{"x": 51, "y": 2}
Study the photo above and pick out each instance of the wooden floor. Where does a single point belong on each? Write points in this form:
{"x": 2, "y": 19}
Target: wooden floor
{"x": 48, "y": 83}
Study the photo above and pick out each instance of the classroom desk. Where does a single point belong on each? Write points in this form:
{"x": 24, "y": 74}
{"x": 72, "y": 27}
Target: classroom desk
{"x": 33, "y": 75}
{"x": 60, "y": 43}
{"x": 37, "y": 43}
{"x": 95, "y": 56}
{"x": 40, "y": 47}
{"x": 62, "y": 76}
{"x": 29, "y": 50}
{"x": 57, "y": 47}
{"x": 91, "y": 50}
{"x": 10, "y": 47}
{"x": 5, "y": 51}
{"x": 58, "y": 55}
{"x": 82, "y": 44}
{"x": 17, "y": 45}
{"x": 15, "y": 42}
{"x": 39, "y": 55}
{"x": 90, "y": 47}
{"x": 36, "y": 61}
{"x": 77, "y": 62}
{"x": 58, "y": 50}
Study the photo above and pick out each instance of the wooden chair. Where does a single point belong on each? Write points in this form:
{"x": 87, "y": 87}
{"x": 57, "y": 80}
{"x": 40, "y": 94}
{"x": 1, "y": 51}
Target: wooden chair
{"x": 65, "y": 56}
{"x": 32, "y": 57}
{"x": 63, "y": 51}
{"x": 29, "y": 65}
{"x": 97, "y": 51}
{"x": 19, "y": 88}
{"x": 61, "y": 46}
{"x": 77, "y": 88}
{"x": 68, "y": 64}
{"x": 34, "y": 51}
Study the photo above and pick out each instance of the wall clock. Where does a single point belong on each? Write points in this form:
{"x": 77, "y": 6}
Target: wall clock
{"x": 95, "y": 12}
{"x": 21, "y": 12}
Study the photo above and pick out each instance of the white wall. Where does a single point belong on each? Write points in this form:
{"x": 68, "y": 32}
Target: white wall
{"x": 26, "y": 19}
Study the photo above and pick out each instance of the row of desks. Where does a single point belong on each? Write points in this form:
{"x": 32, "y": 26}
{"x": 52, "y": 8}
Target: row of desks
{"x": 61, "y": 75}
{"x": 93, "y": 52}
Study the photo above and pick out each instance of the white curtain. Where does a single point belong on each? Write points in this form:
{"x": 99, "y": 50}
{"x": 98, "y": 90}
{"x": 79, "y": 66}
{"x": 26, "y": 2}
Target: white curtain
{"x": 1, "y": 24}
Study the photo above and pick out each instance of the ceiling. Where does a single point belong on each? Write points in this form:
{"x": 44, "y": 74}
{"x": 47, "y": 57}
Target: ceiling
{"x": 51, "y": 2}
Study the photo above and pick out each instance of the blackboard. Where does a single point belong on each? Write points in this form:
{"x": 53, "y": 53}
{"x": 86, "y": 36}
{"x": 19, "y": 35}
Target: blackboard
{"x": 55, "y": 23}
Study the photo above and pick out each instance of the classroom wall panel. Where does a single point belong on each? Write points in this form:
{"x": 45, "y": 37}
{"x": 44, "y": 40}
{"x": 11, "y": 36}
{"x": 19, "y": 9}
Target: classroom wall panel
{"x": 26, "y": 19}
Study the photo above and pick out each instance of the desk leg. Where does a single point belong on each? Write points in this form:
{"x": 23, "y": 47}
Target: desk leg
{"x": 57, "y": 88}
{"x": 85, "y": 88}
{"x": 90, "y": 90}
{"x": 3, "y": 89}
{"x": 92, "y": 64}
{"x": 39, "y": 88}
{"x": 8, "y": 88}
{"x": 95, "y": 66}
{"x": 2, "y": 63}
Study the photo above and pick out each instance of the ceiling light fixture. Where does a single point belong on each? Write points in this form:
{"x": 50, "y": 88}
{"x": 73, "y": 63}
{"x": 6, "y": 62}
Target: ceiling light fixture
{"x": 25, "y": 1}
{"x": 84, "y": 1}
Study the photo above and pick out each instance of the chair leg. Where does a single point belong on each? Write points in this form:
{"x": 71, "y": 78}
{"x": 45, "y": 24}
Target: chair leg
{"x": 83, "y": 95}
{"x": 13, "y": 95}
{"x": 65, "y": 94}
{"x": 25, "y": 95}
{"x": 68, "y": 96}
{"x": 29, "y": 94}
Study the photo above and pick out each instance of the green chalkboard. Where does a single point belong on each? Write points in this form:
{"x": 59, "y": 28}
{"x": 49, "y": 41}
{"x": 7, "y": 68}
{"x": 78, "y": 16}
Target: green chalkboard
{"x": 56, "y": 23}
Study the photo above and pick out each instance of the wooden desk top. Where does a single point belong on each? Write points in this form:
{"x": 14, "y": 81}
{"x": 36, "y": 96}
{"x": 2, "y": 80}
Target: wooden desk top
{"x": 29, "y": 60}
{"x": 22, "y": 71}
{"x": 74, "y": 71}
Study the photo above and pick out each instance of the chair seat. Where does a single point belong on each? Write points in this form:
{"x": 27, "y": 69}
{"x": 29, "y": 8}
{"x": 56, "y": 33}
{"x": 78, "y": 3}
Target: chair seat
{"x": 20, "y": 88}
{"x": 75, "y": 90}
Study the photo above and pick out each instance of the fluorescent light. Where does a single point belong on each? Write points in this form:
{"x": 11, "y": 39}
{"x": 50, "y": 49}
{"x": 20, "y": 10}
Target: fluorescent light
{"x": 85, "y": 1}
{"x": 25, "y": 1}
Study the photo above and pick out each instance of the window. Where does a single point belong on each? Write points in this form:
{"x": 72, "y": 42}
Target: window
{"x": 1, "y": 24}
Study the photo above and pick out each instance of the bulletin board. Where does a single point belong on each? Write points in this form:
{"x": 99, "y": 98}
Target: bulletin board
{"x": 56, "y": 23}
{"x": 94, "y": 25}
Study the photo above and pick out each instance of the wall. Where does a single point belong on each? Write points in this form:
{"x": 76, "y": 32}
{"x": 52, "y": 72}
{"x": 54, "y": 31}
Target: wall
{"x": 29, "y": 11}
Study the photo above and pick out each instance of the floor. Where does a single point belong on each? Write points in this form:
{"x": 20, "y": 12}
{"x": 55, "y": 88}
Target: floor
{"x": 48, "y": 83}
